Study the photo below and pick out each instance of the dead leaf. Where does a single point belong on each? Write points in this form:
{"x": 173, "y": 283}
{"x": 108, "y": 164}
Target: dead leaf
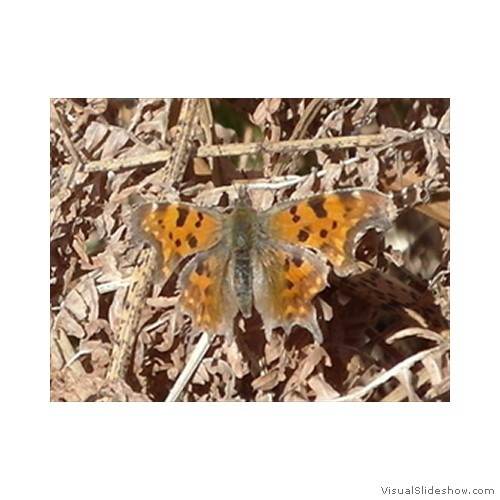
{"x": 80, "y": 306}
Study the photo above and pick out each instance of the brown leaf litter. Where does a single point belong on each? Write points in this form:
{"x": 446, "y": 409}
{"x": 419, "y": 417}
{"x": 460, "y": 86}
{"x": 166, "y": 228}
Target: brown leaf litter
{"x": 386, "y": 330}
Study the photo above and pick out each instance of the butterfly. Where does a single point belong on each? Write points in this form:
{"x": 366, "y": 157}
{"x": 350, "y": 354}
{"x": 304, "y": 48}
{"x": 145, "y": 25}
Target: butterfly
{"x": 274, "y": 261}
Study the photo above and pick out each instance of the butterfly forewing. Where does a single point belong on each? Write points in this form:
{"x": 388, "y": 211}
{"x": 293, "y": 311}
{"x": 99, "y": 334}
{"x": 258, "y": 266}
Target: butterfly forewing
{"x": 331, "y": 223}
{"x": 177, "y": 230}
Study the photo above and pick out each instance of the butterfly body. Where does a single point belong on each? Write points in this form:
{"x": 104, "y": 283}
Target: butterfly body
{"x": 244, "y": 227}
{"x": 275, "y": 261}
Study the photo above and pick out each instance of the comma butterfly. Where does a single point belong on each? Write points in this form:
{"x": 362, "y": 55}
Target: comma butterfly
{"x": 274, "y": 260}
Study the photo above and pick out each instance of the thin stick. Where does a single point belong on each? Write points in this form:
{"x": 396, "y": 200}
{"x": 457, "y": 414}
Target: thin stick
{"x": 384, "y": 377}
{"x": 194, "y": 361}
{"x": 132, "y": 162}
{"x": 139, "y": 282}
{"x": 295, "y": 146}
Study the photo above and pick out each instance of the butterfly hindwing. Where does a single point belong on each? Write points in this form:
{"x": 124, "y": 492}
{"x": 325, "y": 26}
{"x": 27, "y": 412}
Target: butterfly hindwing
{"x": 206, "y": 292}
{"x": 286, "y": 279}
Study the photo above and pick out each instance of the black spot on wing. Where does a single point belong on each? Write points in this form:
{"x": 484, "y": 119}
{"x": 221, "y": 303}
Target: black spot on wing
{"x": 192, "y": 241}
{"x": 201, "y": 268}
{"x": 293, "y": 213}
{"x": 182, "y": 214}
{"x": 200, "y": 218}
{"x": 303, "y": 235}
{"x": 318, "y": 207}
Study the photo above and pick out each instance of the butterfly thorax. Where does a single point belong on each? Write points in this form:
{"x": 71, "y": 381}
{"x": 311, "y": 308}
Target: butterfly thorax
{"x": 243, "y": 235}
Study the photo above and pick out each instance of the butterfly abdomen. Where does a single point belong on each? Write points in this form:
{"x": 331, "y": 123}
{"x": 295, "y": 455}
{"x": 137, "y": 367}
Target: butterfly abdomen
{"x": 243, "y": 242}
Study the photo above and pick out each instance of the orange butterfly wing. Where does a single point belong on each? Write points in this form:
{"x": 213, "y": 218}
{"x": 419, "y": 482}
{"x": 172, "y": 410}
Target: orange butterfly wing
{"x": 176, "y": 230}
{"x": 286, "y": 279}
{"x": 331, "y": 223}
{"x": 288, "y": 274}
{"x": 207, "y": 294}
